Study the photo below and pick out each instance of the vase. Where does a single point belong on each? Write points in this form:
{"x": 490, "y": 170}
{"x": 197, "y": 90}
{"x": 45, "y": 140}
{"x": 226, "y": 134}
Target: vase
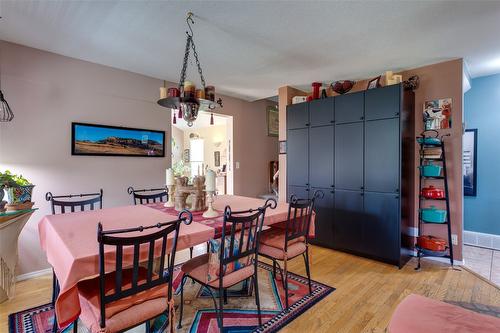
{"x": 19, "y": 194}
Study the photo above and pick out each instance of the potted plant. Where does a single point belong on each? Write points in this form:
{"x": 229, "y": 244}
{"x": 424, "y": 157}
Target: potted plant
{"x": 19, "y": 190}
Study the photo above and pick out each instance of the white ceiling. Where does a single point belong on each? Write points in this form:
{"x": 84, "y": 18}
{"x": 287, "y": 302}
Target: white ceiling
{"x": 249, "y": 48}
{"x": 202, "y": 121}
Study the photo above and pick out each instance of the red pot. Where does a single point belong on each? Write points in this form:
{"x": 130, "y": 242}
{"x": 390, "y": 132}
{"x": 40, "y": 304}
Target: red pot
{"x": 432, "y": 193}
{"x": 431, "y": 243}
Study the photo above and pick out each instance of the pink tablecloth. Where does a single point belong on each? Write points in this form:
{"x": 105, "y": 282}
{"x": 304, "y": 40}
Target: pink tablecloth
{"x": 70, "y": 242}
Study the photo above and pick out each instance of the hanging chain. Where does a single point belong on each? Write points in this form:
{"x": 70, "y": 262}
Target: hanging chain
{"x": 185, "y": 63}
{"x": 198, "y": 63}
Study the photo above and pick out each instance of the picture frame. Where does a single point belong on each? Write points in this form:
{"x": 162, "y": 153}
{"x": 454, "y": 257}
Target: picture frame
{"x": 437, "y": 114}
{"x": 469, "y": 160}
{"x": 272, "y": 115}
{"x": 282, "y": 147}
{"x": 106, "y": 140}
{"x": 217, "y": 158}
{"x": 186, "y": 156}
{"x": 374, "y": 83}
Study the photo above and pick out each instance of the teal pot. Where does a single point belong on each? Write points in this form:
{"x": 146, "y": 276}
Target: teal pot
{"x": 19, "y": 194}
{"x": 429, "y": 141}
{"x": 431, "y": 170}
{"x": 433, "y": 215}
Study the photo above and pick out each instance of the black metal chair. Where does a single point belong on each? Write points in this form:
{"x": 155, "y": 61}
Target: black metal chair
{"x": 278, "y": 244}
{"x": 71, "y": 205}
{"x": 247, "y": 226}
{"x": 160, "y": 195}
{"x": 117, "y": 283}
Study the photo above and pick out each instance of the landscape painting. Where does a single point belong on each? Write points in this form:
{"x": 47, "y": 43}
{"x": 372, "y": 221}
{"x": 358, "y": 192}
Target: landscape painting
{"x": 101, "y": 140}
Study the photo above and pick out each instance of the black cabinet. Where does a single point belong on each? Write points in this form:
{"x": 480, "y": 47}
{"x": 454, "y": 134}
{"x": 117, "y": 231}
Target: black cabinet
{"x": 321, "y": 112}
{"x": 381, "y": 236}
{"x": 357, "y": 149}
{"x": 324, "y": 209}
{"x": 382, "y": 155}
{"x": 297, "y": 116}
{"x": 349, "y": 156}
{"x": 321, "y": 148}
{"x": 383, "y": 102}
{"x": 348, "y": 220}
{"x": 301, "y": 192}
{"x": 349, "y": 107}
{"x": 298, "y": 157}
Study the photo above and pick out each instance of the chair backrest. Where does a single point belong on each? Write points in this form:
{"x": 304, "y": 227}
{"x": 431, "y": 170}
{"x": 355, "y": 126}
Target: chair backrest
{"x": 155, "y": 244}
{"x": 246, "y": 225}
{"x": 300, "y": 212}
{"x": 161, "y": 195}
{"x": 67, "y": 205}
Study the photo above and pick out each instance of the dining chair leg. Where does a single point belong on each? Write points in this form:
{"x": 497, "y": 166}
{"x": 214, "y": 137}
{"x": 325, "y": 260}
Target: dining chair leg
{"x": 221, "y": 310}
{"x": 306, "y": 261}
{"x": 55, "y": 294}
{"x": 257, "y": 300}
{"x": 191, "y": 252}
{"x": 75, "y": 326}
{"x": 274, "y": 269}
{"x": 181, "y": 309}
{"x": 148, "y": 326}
{"x": 225, "y": 296}
{"x": 286, "y": 282}
{"x": 208, "y": 247}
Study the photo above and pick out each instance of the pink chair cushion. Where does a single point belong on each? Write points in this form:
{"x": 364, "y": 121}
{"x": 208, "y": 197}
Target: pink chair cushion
{"x": 88, "y": 291}
{"x": 418, "y": 314}
{"x": 198, "y": 269}
{"x": 276, "y": 238}
{"x": 293, "y": 250}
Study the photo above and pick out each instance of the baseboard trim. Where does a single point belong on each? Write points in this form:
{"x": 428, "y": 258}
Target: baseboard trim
{"x": 34, "y": 274}
{"x": 489, "y": 241}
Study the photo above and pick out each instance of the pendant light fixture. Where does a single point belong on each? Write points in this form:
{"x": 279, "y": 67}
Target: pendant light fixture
{"x": 186, "y": 98}
{"x": 6, "y": 113}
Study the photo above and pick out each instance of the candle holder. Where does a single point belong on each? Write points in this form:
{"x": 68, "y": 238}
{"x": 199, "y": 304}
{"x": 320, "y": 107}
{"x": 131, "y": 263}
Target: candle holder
{"x": 170, "y": 201}
{"x": 211, "y": 212}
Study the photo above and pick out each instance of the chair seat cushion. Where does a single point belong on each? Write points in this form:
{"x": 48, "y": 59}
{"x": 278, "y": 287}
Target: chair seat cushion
{"x": 276, "y": 238}
{"x": 88, "y": 291}
{"x": 417, "y": 314}
{"x": 294, "y": 250}
{"x": 197, "y": 268}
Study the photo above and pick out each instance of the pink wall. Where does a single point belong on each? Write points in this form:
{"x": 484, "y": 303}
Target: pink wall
{"x": 48, "y": 91}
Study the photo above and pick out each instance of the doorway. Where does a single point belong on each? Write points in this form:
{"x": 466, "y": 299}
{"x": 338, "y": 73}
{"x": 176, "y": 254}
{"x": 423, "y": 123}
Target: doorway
{"x": 205, "y": 145}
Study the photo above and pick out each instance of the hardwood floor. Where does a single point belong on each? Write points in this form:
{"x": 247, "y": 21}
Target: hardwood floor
{"x": 367, "y": 291}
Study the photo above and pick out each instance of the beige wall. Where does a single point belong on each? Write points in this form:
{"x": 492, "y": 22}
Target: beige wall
{"x": 210, "y": 135}
{"x": 48, "y": 91}
{"x": 440, "y": 80}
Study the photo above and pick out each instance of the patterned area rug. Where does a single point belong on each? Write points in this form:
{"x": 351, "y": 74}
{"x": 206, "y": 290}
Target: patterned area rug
{"x": 240, "y": 314}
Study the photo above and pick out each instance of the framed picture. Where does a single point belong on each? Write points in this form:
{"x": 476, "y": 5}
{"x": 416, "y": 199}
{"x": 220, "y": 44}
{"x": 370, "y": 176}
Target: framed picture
{"x": 437, "y": 114}
{"x": 186, "y": 155}
{"x": 282, "y": 147}
{"x": 470, "y": 162}
{"x": 103, "y": 140}
{"x": 374, "y": 83}
{"x": 217, "y": 158}
{"x": 272, "y": 121}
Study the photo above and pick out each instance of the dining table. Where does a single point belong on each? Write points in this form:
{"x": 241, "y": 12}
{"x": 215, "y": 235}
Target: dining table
{"x": 70, "y": 239}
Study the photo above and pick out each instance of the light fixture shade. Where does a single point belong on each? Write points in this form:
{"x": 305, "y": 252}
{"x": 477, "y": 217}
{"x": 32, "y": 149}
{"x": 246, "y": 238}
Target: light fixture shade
{"x": 6, "y": 114}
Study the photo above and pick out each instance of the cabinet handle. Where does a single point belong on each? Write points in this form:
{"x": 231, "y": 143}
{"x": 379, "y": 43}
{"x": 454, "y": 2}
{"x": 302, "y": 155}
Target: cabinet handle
{"x": 307, "y": 124}
{"x": 332, "y": 192}
{"x": 362, "y": 194}
{"x": 333, "y": 186}
{"x": 362, "y": 188}
{"x": 361, "y": 118}
{"x": 396, "y": 197}
{"x": 397, "y": 113}
{"x": 307, "y": 190}
{"x": 397, "y": 190}
{"x": 307, "y": 184}
{"x": 332, "y": 121}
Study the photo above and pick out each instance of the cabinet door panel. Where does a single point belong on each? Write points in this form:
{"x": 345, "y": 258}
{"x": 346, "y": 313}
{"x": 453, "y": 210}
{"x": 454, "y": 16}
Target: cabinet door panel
{"x": 297, "y": 157}
{"x": 349, "y": 107}
{"x": 382, "y": 140}
{"x": 297, "y": 116}
{"x": 300, "y": 192}
{"x": 321, "y": 156}
{"x": 324, "y": 218}
{"x": 347, "y": 220}
{"x": 382, "y": 102}
{"x": 321, "y": 112}
{"x": 349, "y": 156}
{"x": 381, "y": 229}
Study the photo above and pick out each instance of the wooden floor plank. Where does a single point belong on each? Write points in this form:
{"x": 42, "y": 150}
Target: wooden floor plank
{"x": 367, "y": 291}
